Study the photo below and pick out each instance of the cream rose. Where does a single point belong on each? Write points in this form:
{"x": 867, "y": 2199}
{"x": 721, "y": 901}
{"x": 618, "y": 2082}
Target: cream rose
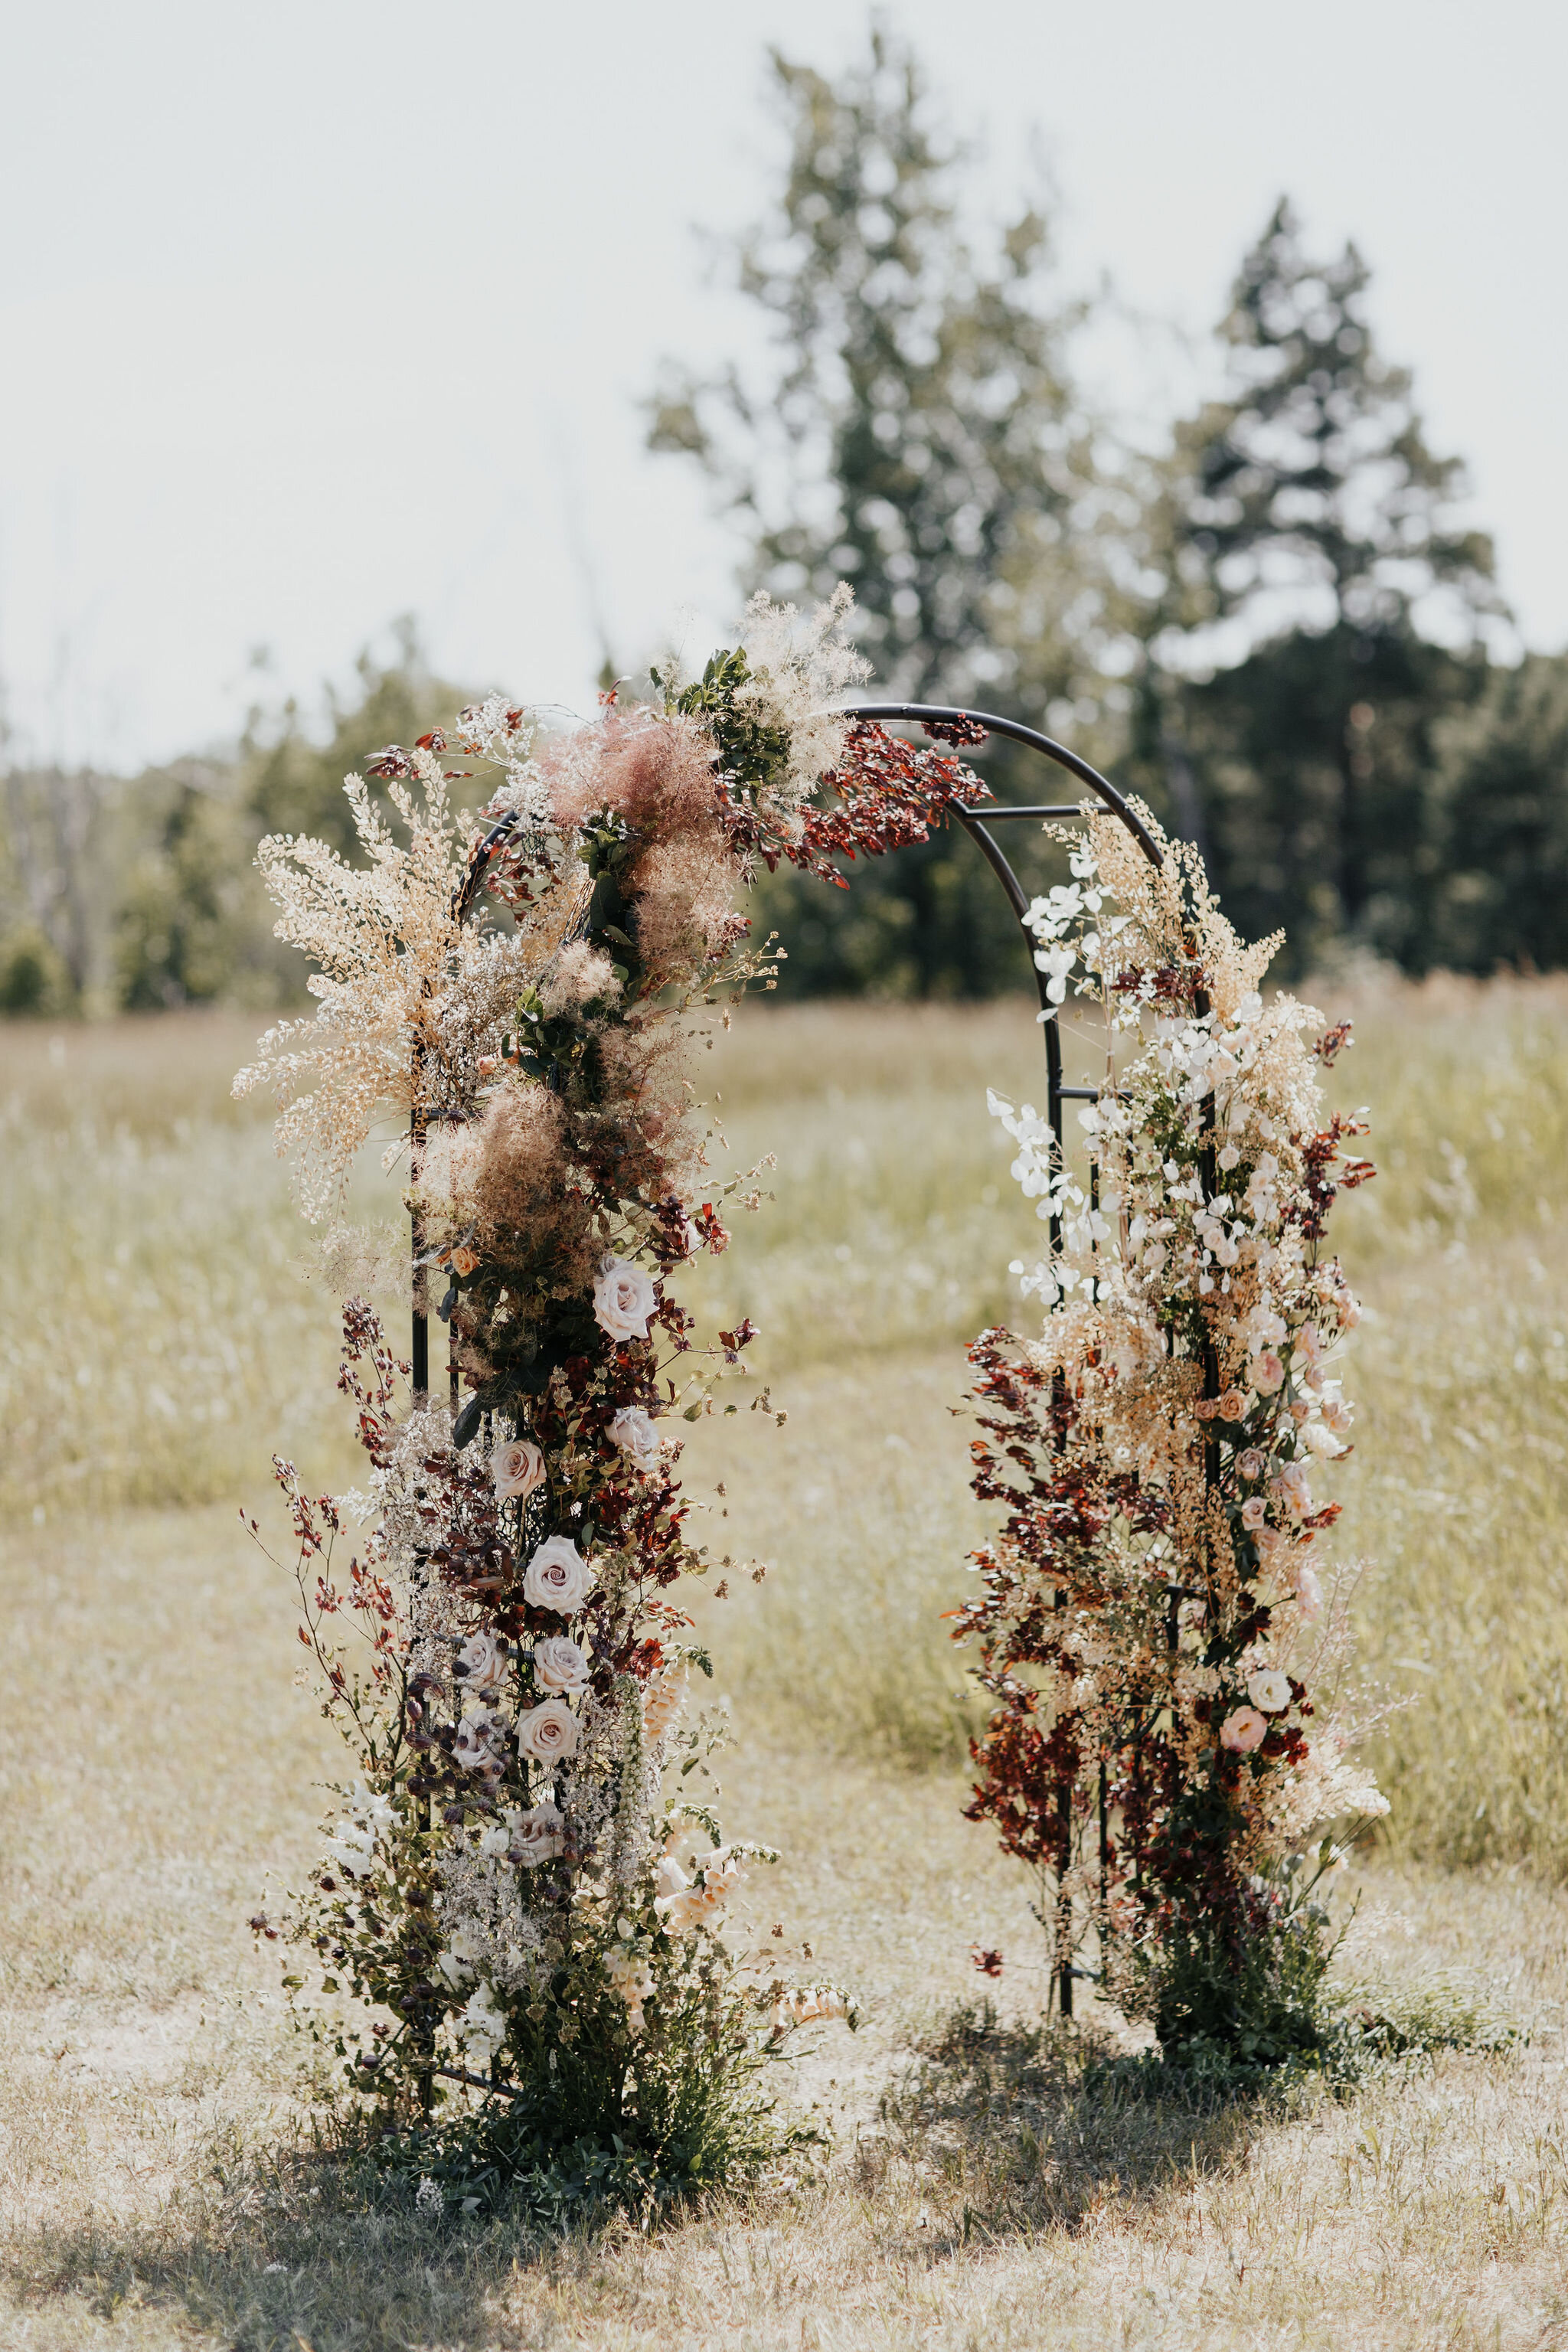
{"x": 1253, "y": 1511}
{"x": 1251, "y": 1463}
{"x": 548, "y": 1732}
{"x": 559, "y": 1665}
{"x": 537, "y": 1835}
{"x": 1269, "y": 1690}
{"x": 633, "y": 1429}
{"x": 482, "y": 1662}
{"x": 624, "y": 1299}
{"x": 1243, "y": 1729}
{"x": 517, "y": 1468}
{"x": 558, "y": 1577}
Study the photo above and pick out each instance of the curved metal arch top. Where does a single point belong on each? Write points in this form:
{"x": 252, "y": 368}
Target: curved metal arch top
{"x": 1016, "y": 732}
{"x": 976, "y": 821}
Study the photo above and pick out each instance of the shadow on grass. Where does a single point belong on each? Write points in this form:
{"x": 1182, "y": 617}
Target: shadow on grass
{"x": 1010, "y": 2129}
{"x": 274, "y": 2252}
{"x": 990, "y": 2130}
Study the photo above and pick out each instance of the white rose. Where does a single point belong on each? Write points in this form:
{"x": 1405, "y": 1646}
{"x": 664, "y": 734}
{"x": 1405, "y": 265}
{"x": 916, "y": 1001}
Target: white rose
{"x": 558, "y": 1577}
{"x": 634, "y": 1430}
{"x": 482, "y": 1662}
{"x": 558, "y": 1664}
{"x": 1269, "y": 1690}
{"x": 537, "y": 1835}
{"x": 517, "y": 1468}
{"x": 624, "y": 1299}
{"x": 548, "y": 1732}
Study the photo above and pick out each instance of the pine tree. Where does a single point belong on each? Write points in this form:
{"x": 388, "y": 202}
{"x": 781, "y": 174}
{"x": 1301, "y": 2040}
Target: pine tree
{"x": 1503, "y": 768}
{"x": 1322, "y": 611}
{"x": 922, "y": 439}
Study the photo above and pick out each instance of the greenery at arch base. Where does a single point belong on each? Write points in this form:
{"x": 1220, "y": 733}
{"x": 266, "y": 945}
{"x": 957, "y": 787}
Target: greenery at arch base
{"x": 526, "y": 1940}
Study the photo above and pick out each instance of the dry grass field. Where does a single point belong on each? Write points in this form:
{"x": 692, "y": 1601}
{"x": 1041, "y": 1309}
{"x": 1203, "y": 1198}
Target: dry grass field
{"x": 157, "y": 2179}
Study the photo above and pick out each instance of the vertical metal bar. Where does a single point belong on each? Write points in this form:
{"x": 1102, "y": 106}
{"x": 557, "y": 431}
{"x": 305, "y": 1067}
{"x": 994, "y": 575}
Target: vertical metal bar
{"x": 419, "y": 1350}
{"x": 1104, "y": 1870}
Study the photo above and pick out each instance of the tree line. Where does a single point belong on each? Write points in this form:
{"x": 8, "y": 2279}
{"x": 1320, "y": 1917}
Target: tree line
{"x": 1278, "y": 627}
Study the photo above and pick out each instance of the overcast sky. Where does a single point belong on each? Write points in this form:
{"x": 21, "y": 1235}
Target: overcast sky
{"x": 315, "y": 314}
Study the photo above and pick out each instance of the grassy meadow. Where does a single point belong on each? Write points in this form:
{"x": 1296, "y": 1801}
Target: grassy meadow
{"x": 158, "y": 1759}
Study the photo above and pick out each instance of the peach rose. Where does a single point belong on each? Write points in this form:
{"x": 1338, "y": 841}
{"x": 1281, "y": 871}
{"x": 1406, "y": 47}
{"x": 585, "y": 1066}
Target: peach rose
{"x": 1244, "y": 1730}
{"x": 1267, "y": 1373}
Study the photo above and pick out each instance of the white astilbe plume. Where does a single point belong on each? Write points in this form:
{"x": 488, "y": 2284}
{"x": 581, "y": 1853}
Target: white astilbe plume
{"x": 797, "y": 669}
{"x": 381, "y": 934}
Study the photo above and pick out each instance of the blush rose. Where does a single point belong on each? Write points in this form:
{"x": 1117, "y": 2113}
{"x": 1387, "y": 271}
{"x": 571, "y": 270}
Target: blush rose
{"x": 624, "y": 1299}
{"x": 548, "y": 1733}
{"x": 558, "y": 1577}
{"x": 633, "y": 1429}
{"x": 559, "y": 1665}
{"x": 517, "y": 1468}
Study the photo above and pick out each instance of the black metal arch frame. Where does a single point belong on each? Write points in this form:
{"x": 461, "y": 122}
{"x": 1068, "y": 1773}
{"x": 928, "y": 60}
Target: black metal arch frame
{"x": 976, "y": 821}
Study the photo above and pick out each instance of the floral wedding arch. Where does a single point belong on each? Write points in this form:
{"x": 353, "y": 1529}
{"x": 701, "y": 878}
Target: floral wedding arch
{"x": 519, "y": 1896}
